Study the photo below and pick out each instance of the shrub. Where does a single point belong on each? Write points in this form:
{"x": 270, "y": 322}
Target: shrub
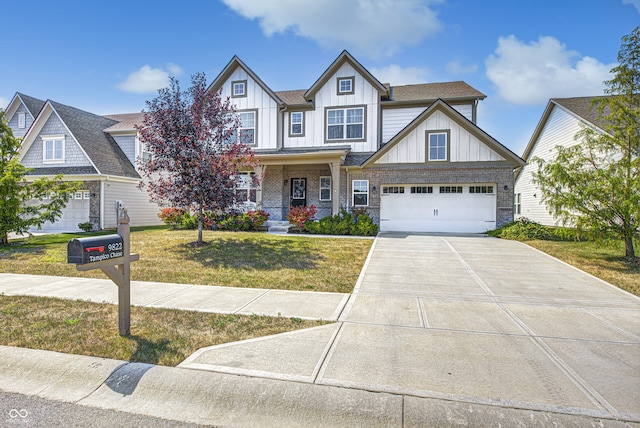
{"x": 189, "y": 221}
{"x": 251, "y": 220}
{"x": 171, "y": 216}
{"x": 522, "y": 229}
{"x": 300, "y": 215}
{"x": 257, "y": 218}
{"x": 344, "y": 223}
{"x": 87, "y": 226}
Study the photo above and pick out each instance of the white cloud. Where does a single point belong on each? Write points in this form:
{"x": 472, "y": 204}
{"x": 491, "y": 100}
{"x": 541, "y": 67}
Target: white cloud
{"x": 457, "y": 68}
{"x": 635, "y": 3}
{"x": 530, "y": 74}
{"x": 376, "y": 28}
{"x": 148, "y": 79}
{"x": 397, "y": 75}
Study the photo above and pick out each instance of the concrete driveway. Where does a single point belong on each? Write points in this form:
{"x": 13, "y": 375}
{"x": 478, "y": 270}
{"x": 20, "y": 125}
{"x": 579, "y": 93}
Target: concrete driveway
{"x": 467, "y": 319}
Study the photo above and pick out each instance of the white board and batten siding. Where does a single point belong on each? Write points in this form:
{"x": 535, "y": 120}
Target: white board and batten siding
{"x": 141, "y": 211}
{"x": 559, "y": 129}
{"x": 395, "y": 120}
{"x": 266, "y": 131}
{"x": 364, "y": 94}
{"x": 464, "y": 147}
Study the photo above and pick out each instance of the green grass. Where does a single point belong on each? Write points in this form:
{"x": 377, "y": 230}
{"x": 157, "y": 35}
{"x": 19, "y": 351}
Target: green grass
{"x": 233, "y": 259}
{"x": 158, "y": 336}
{"x": 603, "y": 260}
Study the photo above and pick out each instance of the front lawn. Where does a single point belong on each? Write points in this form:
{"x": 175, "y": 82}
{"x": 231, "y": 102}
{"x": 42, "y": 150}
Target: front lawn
{"x": 158, "y": 336}
{"x": 232, "y": 259}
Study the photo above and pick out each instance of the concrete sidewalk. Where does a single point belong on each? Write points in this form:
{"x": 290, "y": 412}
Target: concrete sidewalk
{"x": 204, "y": 298}
{"x": 440, "y": 331}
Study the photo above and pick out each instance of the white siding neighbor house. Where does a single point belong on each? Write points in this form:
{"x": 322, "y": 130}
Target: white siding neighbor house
{"x": 562, "y": 119}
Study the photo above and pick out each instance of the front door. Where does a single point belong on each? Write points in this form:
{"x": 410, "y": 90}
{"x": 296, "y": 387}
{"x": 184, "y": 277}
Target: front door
{"x": 298, "y": 192}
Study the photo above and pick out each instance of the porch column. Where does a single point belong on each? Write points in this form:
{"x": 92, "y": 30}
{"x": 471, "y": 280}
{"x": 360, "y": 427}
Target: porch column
{"x": 335, "y": 187}
{"x": 260, "y": 171}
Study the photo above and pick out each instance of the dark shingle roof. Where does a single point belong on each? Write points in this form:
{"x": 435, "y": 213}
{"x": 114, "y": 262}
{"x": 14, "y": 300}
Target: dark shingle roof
{"x": 101, "y": 148}
{"x": 34, "y": 105}
{"x": 581, "y": 106}
{"x": 432, "y": 91}
{"x": 72, "y": 170}
{"x": 292, "y": 97}
{"x": 357, "y": 159}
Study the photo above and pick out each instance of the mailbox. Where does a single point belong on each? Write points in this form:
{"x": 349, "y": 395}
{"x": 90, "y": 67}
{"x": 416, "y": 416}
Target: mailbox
{"x": 94, "y": 249}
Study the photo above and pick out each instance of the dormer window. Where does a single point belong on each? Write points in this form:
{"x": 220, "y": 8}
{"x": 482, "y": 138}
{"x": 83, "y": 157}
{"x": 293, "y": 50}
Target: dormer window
{"x": 53, "y": 149}
{"x": 22, "y": 120}
{"x": 345, "y": 85}
{"x": 239, "y": 88}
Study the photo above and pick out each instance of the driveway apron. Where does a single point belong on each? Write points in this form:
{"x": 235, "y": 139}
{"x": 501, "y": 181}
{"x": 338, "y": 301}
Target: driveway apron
{"x": 470, "y": 319}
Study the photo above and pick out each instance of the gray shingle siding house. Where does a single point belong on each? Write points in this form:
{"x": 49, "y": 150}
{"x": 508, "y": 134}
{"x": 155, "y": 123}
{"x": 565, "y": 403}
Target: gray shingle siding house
{"x": 65, "y": 140}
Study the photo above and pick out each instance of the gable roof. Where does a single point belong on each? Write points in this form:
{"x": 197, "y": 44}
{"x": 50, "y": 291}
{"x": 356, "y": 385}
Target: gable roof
{"x": 126, "y": 122}
{"x": 335, "y": 65}
{"x": 87, "y": 129}
{"x": 33, "y": 105}
{"x": 579, "y": 107}
{"x": 441, "y": 105}
{"x": 449, "y": 91}
{"x": 230, "y": 68}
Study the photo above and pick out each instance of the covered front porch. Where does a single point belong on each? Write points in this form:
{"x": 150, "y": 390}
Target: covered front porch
{"x": 291, "y": 178}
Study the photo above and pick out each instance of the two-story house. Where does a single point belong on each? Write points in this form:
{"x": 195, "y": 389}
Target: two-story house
{"x": 412, "y": 155}
{"x": 99, "y": 151}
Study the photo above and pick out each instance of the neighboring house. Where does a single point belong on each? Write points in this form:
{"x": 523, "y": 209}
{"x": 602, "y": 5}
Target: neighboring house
{"x": 411, "y": 155}
{"x": 99, "y": 151}
{"x": 561, "y": 121}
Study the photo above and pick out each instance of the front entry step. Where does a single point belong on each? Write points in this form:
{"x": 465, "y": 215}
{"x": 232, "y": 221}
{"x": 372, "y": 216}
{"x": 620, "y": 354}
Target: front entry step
{"x": 275, "y": 226}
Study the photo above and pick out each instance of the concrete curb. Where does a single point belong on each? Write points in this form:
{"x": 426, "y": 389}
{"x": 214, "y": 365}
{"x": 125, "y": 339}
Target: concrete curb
{"x": 230, "y": 400}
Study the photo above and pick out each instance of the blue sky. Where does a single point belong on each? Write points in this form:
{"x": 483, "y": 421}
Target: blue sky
{"x": 112, "y": 57}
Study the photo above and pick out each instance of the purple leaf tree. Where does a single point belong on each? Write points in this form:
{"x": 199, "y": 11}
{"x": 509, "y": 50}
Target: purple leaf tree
{"x": 196, "y": 155}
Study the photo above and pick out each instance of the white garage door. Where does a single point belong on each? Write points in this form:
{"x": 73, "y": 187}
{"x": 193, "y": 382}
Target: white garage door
{"x": 438, "y": 208}
{"x": 76, "y": 211}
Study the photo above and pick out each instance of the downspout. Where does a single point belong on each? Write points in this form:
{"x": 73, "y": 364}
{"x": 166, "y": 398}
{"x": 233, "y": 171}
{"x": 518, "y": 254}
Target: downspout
{"x": 101, "y": 204}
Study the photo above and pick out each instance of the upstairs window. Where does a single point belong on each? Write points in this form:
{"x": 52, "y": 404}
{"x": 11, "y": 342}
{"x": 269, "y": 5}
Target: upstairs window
{"x": 437, "y": 146}
{"x": 345, "y": 124}
{"x": 297, "y": 124}
{"x": 246, "y": 133}
{"x": 345, "y": 85}
{"x": 22, "y": 120}
{"x": 53, "y": 149}
{"x": 239, "y": 88}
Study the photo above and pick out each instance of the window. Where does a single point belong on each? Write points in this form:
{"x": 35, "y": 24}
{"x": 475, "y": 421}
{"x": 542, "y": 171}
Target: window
{"x": 325, "y": 188}
{"x": 437, "y": 146}
{"x": 387, "y": 190}
{"x": 360, "y": 193}
{"x": 86, "y": 194}
{"x": 421, "y": 189}
{"x": 297, "y": 124}
{"x": 22, "y": 120}
{"x": 450, "y": 189}
{"x": 480, "y": 189}
{"x": 517, "y": 203}
{"x": 246, "y": 187}
{"x": 77, "y": 195}
{"x": 345, "y": 85}
{"x": 239, "y": 88}
{"x": 345, "y": 124}
{"x": 53, "y": 148}
{"x": 247, "y": 130}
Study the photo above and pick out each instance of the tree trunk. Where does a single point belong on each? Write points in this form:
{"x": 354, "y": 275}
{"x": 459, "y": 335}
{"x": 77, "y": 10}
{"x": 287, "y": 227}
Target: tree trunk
{"x": 200, "y": 241}
{"x": 628, "y": 247}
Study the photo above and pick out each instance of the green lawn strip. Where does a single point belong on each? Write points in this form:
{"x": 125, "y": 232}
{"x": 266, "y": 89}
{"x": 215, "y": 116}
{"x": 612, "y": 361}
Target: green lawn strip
{"x": 604, "y": 261}
{"x": 158, "y": 336}
{"x": 233, "y": 259}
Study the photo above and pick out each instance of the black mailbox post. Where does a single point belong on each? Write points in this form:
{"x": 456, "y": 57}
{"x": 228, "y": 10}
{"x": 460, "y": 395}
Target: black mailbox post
{"x": 109, "y": 253}
{"x": 81, "y": 251}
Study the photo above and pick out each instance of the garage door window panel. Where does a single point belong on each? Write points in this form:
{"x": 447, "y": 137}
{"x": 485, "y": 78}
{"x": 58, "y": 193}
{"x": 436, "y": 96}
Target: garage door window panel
{"x": 438, "y": 146}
